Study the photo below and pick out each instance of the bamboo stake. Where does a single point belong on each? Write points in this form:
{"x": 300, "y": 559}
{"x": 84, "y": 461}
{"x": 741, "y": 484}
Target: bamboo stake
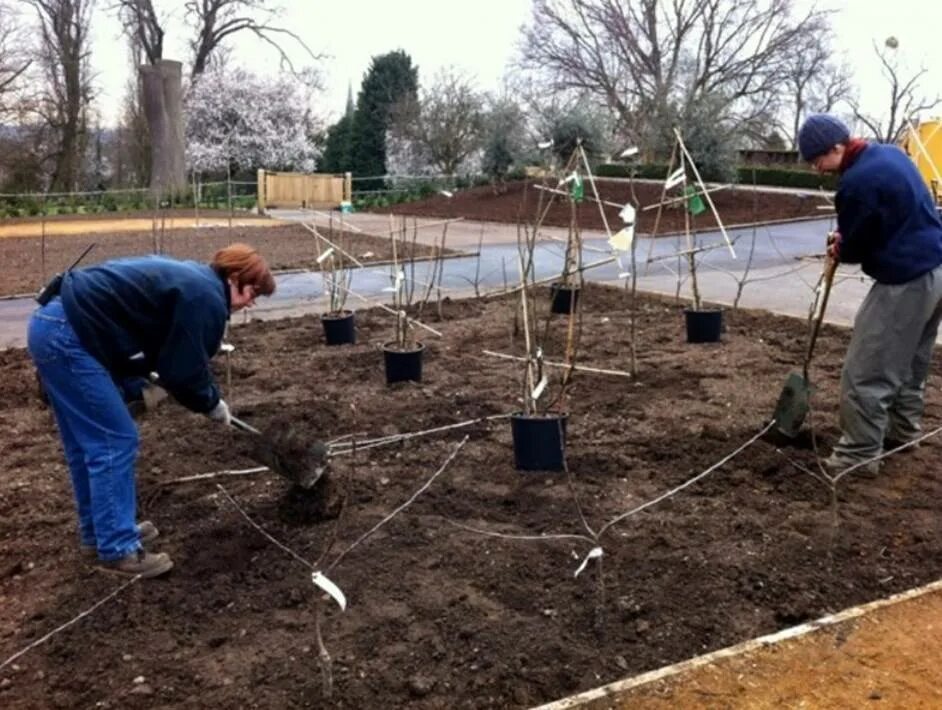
{"x": 528, "y": 402}
{"x": 548, "y": 363}
{"x": 657, "y": 218}
{"x": 696, "y": 172}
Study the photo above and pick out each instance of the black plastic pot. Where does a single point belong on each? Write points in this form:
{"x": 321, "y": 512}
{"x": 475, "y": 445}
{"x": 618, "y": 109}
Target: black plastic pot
{"x": 537, "y": 445}
{"x": 564, "y": 298}
{"x": 704, "y": 326}
{"x": 403, "y": 365}
{"x": 339, "y": 328}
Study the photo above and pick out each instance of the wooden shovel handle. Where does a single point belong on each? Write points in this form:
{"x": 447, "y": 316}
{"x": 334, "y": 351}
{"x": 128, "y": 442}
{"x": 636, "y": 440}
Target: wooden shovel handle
{"x": 830, "y": 267}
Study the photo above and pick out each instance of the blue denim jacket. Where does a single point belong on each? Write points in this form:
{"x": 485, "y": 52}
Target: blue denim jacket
{"x": 152, "y": 314}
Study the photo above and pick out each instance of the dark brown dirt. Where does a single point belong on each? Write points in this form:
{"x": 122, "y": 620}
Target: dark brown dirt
{"x": 285, "y": 247}
{"x": 517, "y": 202}
{"x": 440, "y": 617}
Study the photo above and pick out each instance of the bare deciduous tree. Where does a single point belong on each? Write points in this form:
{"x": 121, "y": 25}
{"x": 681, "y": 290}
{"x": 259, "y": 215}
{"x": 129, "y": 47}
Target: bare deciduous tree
{"x": 649, "y": 59}
{"x": 211, "y": 23}
{"x": 13, "y": 59}
{"x": 446, "y": 121}
{"x": 63, "y": 55}
{"x": 906, "y": 97}
{"x": 815, "y": 82}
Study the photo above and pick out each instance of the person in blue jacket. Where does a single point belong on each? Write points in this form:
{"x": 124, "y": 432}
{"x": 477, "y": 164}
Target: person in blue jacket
{"x": 888, "y": 223}
{"x": 125, "y": 319}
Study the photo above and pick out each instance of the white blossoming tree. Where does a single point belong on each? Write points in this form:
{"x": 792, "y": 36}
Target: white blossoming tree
{"x": 237, "y": 120}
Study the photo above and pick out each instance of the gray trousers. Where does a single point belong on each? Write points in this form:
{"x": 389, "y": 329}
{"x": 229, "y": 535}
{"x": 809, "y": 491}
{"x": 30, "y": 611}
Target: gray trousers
{"x": 884, "y": 375}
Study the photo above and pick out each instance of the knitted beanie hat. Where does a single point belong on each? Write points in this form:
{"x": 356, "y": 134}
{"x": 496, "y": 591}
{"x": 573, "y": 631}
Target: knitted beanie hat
{"x": 819, "y": 133}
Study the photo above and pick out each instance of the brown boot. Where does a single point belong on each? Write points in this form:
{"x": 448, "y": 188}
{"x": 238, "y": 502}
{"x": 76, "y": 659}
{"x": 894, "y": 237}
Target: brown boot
{"x": 145, "y": 564}
{"x": 147, "y": 530}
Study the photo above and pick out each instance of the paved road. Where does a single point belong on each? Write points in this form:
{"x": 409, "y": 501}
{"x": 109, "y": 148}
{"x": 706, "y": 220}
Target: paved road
{"x": 779, "y": 279}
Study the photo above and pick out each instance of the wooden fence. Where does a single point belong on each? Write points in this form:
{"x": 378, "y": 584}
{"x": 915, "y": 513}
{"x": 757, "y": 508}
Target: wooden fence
{"x": 314, "y": 191}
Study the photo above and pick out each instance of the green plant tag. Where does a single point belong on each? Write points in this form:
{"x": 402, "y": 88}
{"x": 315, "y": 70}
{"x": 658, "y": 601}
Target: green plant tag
{"x": 577, "y": 189}
{"x": 694, "y": 202}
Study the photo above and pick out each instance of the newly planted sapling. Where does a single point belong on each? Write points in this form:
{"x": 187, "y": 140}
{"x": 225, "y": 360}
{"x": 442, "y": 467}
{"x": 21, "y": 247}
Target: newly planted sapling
{"x": 703, "y": 324}
{"x": 339, "y": 323}
{"x": 402, "y": 356}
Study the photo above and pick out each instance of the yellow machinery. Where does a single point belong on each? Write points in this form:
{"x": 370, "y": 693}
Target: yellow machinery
{"x": 923, "y": 143}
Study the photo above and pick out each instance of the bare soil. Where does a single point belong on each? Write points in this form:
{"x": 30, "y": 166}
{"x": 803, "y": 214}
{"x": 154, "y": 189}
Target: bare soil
{"x": 289, "y": 246}
{"x": 518, "y": 201}
{"x": 440, "y": 617}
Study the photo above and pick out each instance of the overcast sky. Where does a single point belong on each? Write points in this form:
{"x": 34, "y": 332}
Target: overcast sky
{"x": 481, "y": 36}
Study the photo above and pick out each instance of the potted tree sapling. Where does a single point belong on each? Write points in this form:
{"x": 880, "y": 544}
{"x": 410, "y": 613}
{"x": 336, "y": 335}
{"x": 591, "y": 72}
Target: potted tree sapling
{"x": 703, "y": 324}
{"x": 539, "y": 430}
{"x": 338, "y": 322}
{"x": 402, "y": 356}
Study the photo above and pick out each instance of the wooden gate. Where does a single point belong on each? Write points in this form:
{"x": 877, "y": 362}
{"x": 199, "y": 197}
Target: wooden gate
{"x": 314, "y": 191}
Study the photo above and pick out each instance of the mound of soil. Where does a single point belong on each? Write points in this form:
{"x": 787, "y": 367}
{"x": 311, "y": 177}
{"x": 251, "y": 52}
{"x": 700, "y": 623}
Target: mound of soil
{"x": 289, "y": 246}
{"x": 518, "y": 202}
{"x": 440, "y": 616}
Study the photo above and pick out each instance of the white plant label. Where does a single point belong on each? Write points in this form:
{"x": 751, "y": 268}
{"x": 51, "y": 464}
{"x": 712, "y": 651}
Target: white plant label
{"x": 541, "y": 385}
{"x": 320, "y": 580}
{"x": 400, "y": 277}
{"x": 447, "y": 193}
{"x": 593, "y": 553}
{"x": 627, "y": 214}
{"x": 573, "y": 176}
{"x": 543, "y": 145}
{"x": 320, "y": 259}
{"x": 628, "y": 152}
{"x": 622, "y": 239}
{"x": 226, "y": 348}
{"x": 675, "y": 178}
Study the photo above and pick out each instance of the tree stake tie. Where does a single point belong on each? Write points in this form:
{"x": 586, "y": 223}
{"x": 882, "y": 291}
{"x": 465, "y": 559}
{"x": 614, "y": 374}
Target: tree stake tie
{"x": 593, "y": 554}
{"x": 321, "y": 580}
{"x": 322, "y": 257}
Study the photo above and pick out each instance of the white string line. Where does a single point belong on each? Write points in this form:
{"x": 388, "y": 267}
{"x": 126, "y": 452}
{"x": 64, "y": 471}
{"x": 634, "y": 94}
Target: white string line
{"x": 67, "y": 624}
{"x": 633, "y": 511}
{"x": 218, "y": 474}
{"x": 363, "y": 537}
{"x": 883, "y": 455}
{"x": 394, "y": 438}
{"x": 512, "y": 536}
{"x": 402, "y": 507}
{"x": 687, "y": 483}
{"x": 258, "y": 527}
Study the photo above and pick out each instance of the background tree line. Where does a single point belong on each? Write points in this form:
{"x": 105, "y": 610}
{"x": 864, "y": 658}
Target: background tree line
{"x": 731, "y": 74}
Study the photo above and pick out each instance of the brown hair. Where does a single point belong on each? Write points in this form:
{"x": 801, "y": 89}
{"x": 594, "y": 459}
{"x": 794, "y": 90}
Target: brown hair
{"x": 248, "y": 267}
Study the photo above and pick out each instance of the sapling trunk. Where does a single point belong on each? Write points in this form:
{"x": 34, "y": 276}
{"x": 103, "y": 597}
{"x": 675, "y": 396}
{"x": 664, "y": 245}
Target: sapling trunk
{"x": 477, "y": 266}
{"x": 633, "y": 309}
{"x": 691, "y": 256}
{"x": 599, "y": 597}
{"x": 741, "y": 284}
{"x": 323, "y": 655}
{"x": 441, "y": 272}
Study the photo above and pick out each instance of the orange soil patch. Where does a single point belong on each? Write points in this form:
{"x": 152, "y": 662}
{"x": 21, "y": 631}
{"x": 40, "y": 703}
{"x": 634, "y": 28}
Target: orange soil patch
{"x": 887, "y": 656}
{"x": 138, "y": 224}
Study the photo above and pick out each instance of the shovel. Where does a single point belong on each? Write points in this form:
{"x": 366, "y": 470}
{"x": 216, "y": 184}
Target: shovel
{"x": 301, "y": 463}
{"x": 794, "y": 401}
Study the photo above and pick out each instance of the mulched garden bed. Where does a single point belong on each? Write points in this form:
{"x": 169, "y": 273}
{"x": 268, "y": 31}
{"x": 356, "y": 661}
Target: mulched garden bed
{"x": 517, "y": 201}
{"x": 289, "y": 246}
{"x": 440, "y": 617}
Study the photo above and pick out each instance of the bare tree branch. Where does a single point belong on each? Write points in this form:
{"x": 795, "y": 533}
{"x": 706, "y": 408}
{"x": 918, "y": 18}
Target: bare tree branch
{"x": 649, "y": 60}
{"x": 905, "y": 100}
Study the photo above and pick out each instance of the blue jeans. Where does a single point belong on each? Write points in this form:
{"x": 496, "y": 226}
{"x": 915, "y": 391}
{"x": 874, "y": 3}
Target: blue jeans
{"x": 98, "y": 434}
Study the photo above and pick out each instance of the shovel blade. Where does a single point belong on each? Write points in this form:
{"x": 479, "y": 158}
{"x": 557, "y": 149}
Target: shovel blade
{"x": 793, "y": 405}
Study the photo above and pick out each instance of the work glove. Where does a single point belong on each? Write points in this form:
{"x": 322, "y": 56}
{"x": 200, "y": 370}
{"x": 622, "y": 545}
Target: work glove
{"x": 220, "y": 413}
{"x": 834, "y": 245}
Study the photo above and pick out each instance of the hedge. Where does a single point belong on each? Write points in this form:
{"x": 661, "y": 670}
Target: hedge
{"x": 781, "y": 177}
